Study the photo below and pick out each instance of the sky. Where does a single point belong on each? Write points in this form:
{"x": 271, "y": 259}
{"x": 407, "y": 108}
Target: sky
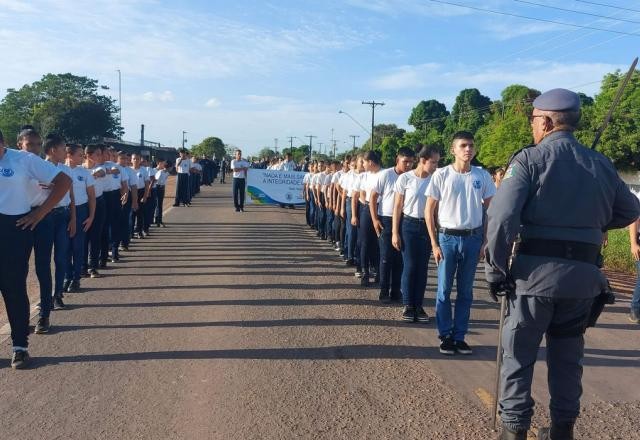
{"x": 249, "y": 72}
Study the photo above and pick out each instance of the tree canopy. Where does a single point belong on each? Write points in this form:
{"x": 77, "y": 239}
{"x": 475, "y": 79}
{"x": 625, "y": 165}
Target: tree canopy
{"x": 210, "y": 147}
{"x": 67, "y": 104}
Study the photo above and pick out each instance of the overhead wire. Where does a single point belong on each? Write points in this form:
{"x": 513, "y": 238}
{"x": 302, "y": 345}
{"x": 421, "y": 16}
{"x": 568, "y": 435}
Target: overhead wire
{"x": 574, "y": 11}
{"x": 543, "y": 20}
{"x": 607, "y": 5}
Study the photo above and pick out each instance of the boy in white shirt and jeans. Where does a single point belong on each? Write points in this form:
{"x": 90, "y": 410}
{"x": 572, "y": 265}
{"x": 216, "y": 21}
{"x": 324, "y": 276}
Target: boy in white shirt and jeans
{"x": 458, "y": 194}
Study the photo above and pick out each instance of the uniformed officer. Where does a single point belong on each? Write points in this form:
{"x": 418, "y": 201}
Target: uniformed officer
{"x": 555, "y": 269}
{"x": 17, "y": 222}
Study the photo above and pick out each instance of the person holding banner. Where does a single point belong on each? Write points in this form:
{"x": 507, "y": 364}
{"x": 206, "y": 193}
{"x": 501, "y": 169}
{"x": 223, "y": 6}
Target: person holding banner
{"x": 239, "y": 166}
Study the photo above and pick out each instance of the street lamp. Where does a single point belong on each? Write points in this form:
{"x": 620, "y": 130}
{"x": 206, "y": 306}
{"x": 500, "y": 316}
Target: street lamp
{"x": 366, "y": 130}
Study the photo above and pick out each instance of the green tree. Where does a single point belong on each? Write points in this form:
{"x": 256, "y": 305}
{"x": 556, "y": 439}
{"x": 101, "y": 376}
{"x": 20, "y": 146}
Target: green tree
{"x": 68, "y": 104}
{"x": 388, "y": 151}
{"x": 381, "y": 131}
{"x": 429, "y": 114}
{"x": 266, "y": 153}
{"x": 507, "y": 128}
{"x": 210, "y": 147}
{"x": 621, "y": 140}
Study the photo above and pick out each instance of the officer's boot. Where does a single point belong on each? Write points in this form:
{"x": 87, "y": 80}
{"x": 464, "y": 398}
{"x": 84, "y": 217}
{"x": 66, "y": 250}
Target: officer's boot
{"x": 561, "y": 431}
{"x": 508, "y": 434}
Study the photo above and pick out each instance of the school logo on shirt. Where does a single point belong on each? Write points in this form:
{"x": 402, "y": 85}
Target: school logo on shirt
{"x": 80, "y": 178}
{"x": 477, "y": 184}
{"x": 140, "y": 175}
{"x": 7, "y": 172}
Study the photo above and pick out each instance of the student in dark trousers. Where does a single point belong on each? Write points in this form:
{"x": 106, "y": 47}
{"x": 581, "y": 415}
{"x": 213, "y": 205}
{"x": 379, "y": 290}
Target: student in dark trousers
{"x": 381, "y": 209}
{"x": 131, "y": 201}
{"x": 161, "y": 177}
{"x": 143, "y": 186}
{"x": 369, "y": 252}
{"x": 183, "y": 168}
{"x": 240, "y": 167}
{"x": 93, "y": 156}
{"x": 410, "y": 234}
{"x": 85, "y": 200}
{"x": 116, "y": 187}
{"x": 17, "y": 222}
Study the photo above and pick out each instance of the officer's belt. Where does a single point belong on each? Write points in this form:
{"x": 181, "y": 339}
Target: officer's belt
{"x": 568, "y": 250}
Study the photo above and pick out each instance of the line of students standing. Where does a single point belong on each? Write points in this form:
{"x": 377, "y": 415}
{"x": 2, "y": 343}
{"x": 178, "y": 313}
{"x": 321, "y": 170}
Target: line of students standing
{"x": 386, "y": 223}
{"x": 81, "y": 205}
{"x": 190, "y": 178}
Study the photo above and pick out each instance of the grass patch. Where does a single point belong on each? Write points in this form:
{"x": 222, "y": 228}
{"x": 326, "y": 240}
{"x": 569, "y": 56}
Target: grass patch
{"x": 617, "y": 256}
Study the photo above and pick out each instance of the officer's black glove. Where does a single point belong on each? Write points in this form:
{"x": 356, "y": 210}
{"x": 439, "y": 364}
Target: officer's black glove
{"x": 502, "y": 288}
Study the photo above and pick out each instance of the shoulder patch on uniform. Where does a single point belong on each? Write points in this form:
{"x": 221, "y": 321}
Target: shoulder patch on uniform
{"x": 511, "y": 171}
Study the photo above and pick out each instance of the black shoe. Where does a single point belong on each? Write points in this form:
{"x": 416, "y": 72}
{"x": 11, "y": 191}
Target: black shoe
{"x": 65, "y": 285}
{"x": 350, "y": 263}
{"x": 94, "y": 273}
{"x": 409, "y": 314}
{"x": 84, "y": 274}
{"x": 508, "y": 434}
{"x": 447, "y": 346}
{"x": 42, "y": 326}
{"x": 74, "y": 287}
{"x": 58, "y": 304}
{"x": 103, "y": 265}
{"x": 364, "y": 281}
{"x": 396, "y": 297}
{"x": 20, "y": 360}
{"x": 462, "y": 347}
{"x": 139, "y": 235}
{"x": 241, "y": 209}
{"x": 563, "y": 431}
{"x": 177, "y": 205}
{"x": 115, "y": 259}
{"x": 421, "y": 315}
{"x": 384, "y": 297}
{"x": 163, "y": 225}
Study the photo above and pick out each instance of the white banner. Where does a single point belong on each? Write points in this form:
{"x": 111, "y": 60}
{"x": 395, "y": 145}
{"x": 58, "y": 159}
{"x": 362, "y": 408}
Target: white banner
{"x": 275, "y": 187}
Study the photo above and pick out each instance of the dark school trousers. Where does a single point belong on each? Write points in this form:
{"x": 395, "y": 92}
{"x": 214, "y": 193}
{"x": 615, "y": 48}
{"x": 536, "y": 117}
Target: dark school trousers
{"x": 159, "y": 204}
{"x": 125, "y": 221}
{"x": 182, "y": 189}
{"x": 92, "y": 245}
{"x": 390, "y": 259}
{"x": 149, "y": 209}
{"x": 111, "y": 228}
{"x": 76, "y": 245}
{"x": 14, "y": 267}
{"x": 138, "y": 216}
{"x": 43, "y": 236}
{"x": 238, "y": 192}
{"x": 369, "y": 254}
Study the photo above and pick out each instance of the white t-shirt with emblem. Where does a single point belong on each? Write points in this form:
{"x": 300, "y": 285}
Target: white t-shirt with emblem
{"x": 239, "y": 164}
{"x": 100, "y": 183}
{"x": 413, "y": 188}
{"x": 142, "y": 176}
{"x": 17, "y": 170}
{"x": 113, "y": 181}
{"x": 183, "y": 166}
{"x": 460, "y": 196}
{"x": 82, "y": 179}
{"x": 384, "y": 187}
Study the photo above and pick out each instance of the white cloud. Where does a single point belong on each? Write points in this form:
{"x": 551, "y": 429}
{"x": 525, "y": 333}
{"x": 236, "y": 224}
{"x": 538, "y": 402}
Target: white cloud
{"x": 399, "y": 7}
{"x": 166, "y": 96}
{"x": 15, "y": 6}
{"x": 268, "y": 100}
{"x": 406, "y": 77}
{"x": 212, "y": 103}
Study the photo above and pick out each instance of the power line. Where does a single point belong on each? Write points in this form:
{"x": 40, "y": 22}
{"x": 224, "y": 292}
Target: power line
{"x": 544, "y": 20}
{"x": 573, "y": 11}
{"x": 608, "y": 5}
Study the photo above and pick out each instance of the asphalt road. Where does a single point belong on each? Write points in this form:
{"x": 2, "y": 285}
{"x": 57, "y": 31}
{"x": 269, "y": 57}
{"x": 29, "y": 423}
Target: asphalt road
{"x": 244, "y": 326}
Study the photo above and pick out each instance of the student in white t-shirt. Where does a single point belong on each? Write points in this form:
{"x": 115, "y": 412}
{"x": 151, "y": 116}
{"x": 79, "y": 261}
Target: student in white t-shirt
{"x": 240, "y": 167}
{"x": 183, "y": 168}
{"x": 94, "y": 161}
{"x": 306, "y": 193}
{"x": 352, "y": 196}
{"x": 458, "y": 194}
{"x": 381, "y": 209}
{"x": 161, "y": 176}
{"x": 85, "y": 201}
{"x": 410, "y": 233}
{"x": 369, "y": 252}
{"x": 17, "y": 222}
{"x": 143, "y": 183}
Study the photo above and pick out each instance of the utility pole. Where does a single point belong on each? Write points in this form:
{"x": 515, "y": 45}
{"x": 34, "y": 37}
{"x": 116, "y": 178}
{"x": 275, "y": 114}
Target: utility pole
{"x": 276, "y": 144}
{"x": 120, "y": 100}
{"x": 310, "y": 136}
{"x": 183, "y": 138}
{"x": 291, "y": 138}
{"x": 333, "y": 142}
{"x": 320, "y": 147}
{"x": 354, "y": 137}
{"x": 373, "y": 105}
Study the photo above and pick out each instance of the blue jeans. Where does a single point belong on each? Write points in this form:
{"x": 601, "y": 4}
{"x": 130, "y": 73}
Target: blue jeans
{"x": 43, "y": 246}
{"x": 312, "y": 210}
{"x": 76, "y": 245}
{"x": 635, "y": 299}
{"x": 416, "y": 248}
{"x": 390, "y": 259}
{"x": 61, "y": 242}
{"x": 348, "y": 233}
{"x": 329, "y": 223}
{"x": 461, "y": 256}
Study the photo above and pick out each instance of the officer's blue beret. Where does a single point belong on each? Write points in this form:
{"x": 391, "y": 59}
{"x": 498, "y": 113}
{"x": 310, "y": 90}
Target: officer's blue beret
{"x": 558, "y": 100}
